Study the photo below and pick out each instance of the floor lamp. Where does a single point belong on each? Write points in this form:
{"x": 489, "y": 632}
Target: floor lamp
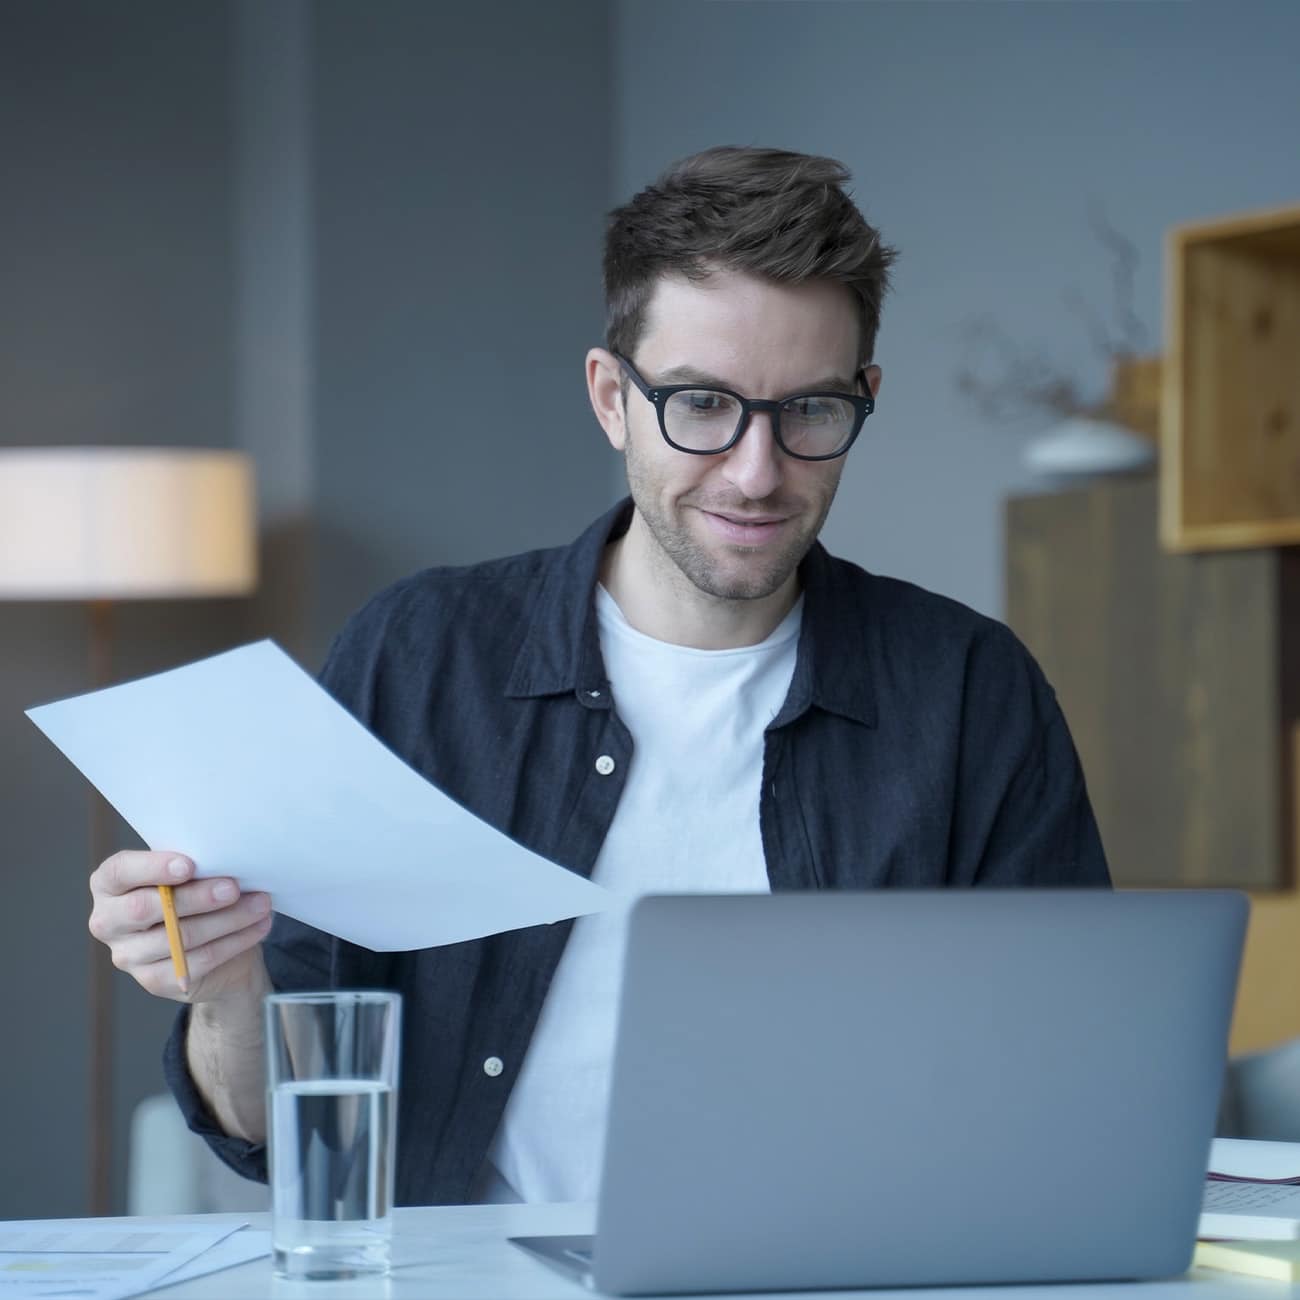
{"x": 97, "y": 525}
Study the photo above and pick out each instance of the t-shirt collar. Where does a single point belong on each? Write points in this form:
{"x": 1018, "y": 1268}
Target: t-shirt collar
{"x": 559, "y": 650}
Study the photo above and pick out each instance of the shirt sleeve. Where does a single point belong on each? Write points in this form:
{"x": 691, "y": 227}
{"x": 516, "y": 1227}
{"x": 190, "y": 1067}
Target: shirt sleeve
{"x": 1024, "y": 817}
{"x": 299, "y": 959}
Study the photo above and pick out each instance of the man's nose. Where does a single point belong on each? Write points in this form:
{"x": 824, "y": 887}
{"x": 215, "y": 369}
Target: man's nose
{"x": 755, "y": 464}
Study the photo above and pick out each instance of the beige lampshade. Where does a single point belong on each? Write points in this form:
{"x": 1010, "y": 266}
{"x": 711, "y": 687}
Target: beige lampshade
{"x": 125, "y": 523}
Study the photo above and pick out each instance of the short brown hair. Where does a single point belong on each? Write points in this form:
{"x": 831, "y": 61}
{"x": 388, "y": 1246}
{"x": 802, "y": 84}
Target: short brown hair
{"x": 768, "y": 212}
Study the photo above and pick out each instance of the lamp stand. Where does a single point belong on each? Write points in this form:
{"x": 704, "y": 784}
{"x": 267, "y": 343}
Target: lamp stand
{"x": 99, "y": 966}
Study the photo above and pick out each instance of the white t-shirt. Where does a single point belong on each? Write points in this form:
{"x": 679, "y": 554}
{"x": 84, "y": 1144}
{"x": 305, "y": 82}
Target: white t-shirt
{"x": 687, "y": 822}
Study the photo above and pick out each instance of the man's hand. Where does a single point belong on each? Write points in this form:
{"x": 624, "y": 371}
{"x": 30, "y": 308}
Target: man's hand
{"x": 221, "y": 929}
{"x": 222, "y": 933}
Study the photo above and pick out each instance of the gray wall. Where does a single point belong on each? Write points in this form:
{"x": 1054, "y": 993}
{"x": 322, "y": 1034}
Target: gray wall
{"x": 978, "y": 135}
{"x": 461, "y": 155}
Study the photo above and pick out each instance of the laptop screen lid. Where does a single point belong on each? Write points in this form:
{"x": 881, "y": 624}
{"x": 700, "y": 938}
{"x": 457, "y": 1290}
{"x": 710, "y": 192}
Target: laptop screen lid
{"x": 894, "y": 1088}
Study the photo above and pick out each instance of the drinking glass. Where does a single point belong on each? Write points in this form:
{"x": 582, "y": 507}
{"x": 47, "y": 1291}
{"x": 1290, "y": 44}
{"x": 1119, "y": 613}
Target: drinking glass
{"x": 331, "y": 1105}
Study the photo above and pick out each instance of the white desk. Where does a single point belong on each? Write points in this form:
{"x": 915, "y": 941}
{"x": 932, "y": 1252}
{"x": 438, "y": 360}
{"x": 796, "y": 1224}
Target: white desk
{"x": 461, "y": 1253}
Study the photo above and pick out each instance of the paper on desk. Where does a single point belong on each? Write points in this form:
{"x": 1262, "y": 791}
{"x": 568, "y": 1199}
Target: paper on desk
{"x": 245, "y": 764}
{"x": 238, "y": 1248}
{"x": 42, "y": 1258}
{"x": 1255, "y": 1161}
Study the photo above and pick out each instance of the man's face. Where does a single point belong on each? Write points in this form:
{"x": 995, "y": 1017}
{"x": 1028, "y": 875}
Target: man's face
{"x": 737, "y": 524}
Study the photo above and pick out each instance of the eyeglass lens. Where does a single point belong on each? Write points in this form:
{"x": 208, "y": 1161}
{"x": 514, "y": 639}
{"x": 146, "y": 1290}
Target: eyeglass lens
{"x": 703, "y": 419}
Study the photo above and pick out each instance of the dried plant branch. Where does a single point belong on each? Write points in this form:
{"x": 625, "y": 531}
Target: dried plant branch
{"x": 1005, "y": 379}
{"x": 1124, "y": 263}
{"x": 1102, "y": 343}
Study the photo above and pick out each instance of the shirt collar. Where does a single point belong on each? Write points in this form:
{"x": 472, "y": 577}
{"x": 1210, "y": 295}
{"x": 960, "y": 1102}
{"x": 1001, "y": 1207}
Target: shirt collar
{"x": 833, "y": 670}
{"x": 560, "y": 649}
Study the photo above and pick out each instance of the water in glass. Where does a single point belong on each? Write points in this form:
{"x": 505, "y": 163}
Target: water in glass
{"x": 331, "y": 1159}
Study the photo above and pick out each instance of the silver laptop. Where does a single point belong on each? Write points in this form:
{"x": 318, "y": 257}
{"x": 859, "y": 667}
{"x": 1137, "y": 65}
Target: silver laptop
{"x": 911, "y": 1089}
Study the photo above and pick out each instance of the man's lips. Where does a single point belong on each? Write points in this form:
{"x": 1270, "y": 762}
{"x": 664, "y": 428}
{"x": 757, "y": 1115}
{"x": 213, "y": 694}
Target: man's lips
{"x": 747, "y": 530}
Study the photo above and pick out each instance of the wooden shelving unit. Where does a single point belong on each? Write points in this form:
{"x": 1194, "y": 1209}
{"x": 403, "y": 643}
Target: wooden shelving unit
{"x": 1230, "y": 408}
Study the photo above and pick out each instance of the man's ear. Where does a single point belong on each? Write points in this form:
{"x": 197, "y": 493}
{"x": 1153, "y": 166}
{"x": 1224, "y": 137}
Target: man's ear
{"x": 605, "y": 389}
{"x": 873, "y": 376}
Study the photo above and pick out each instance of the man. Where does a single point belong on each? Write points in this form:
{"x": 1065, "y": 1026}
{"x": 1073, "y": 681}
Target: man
{"x": 693, "y": 696}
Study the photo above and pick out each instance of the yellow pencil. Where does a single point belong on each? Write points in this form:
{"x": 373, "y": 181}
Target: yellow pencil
{"x": 179, "y": 964}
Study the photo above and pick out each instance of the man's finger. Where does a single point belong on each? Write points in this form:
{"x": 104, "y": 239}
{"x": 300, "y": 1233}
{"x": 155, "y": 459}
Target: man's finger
{"x": 208, "y": 895}
{"x": 197, "y": 930}
{"x": 203, "y": 961}
{"x": 131, "y": 869}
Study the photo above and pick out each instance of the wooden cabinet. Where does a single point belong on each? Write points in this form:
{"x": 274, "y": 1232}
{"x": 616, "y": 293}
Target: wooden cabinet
{"x": 1180, "y": 678}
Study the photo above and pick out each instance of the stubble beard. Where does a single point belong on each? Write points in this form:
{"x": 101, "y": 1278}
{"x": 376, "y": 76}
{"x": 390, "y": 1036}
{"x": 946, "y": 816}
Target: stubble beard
{"x": 696, "y": 562}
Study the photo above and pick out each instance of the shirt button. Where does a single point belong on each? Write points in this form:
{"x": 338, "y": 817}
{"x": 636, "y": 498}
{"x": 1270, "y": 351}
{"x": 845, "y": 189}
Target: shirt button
{"x": 604, "y": 765}
{"x": 595, "y": 695}
{"x": 493, "y": 1066}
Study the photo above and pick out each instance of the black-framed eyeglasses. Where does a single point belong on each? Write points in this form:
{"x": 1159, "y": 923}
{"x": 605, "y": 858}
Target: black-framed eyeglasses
{"x": 706, "y": 421}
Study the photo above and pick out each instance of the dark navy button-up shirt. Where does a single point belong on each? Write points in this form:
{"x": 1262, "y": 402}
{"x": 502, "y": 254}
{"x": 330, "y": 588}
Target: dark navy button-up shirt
{"x": 918, "y": 746}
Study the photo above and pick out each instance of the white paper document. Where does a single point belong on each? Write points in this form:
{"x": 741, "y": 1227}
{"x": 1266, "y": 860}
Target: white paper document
{"x": 239, "y": 1248}
{"x": 101, "y": 1261}
{"x": 243, "y": 763}
{"x": 1259, "y": 1162}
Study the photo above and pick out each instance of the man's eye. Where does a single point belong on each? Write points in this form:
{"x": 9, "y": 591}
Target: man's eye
{"x": 811, "y": 410}
{"x": 706, "y": 403}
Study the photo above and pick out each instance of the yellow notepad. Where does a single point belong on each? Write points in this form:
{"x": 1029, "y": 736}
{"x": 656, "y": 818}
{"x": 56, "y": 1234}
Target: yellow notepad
{"x": 1279, "y": 1260}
